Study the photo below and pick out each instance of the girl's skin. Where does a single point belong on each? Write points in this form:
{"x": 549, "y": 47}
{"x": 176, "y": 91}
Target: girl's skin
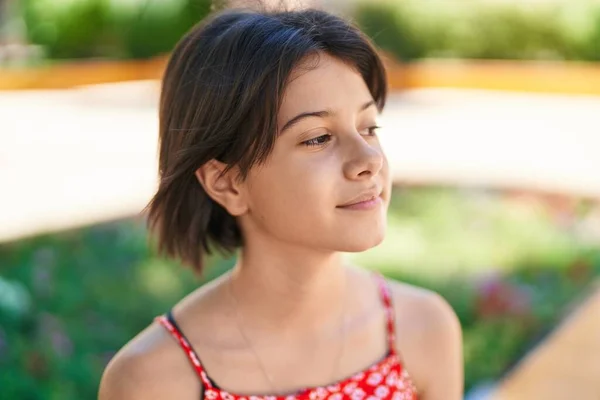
{"x": 295, "y": 293}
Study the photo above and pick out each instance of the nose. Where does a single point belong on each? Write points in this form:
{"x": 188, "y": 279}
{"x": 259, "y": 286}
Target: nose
{"x": 364, "y": 158}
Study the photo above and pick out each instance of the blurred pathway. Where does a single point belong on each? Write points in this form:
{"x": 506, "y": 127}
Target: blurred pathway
{"x": 565, "y": 365}
{"x": 539, "y": 142}
{"x": 69, "y": 158}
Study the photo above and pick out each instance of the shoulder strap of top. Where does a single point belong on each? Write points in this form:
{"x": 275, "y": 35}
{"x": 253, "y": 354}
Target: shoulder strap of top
{"x": 386, "y": 299}
{"x": 169, "y": 323}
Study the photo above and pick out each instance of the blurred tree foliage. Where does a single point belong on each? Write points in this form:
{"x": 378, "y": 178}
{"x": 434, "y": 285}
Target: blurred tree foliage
{"x": 152, "y": 27}
{"x": 69, "y": 301}
{"x": 409, "y": 29}
{"x": 413, "y": 29}
{"x": 67, "y": 29}
{"x": 110, "y": 28}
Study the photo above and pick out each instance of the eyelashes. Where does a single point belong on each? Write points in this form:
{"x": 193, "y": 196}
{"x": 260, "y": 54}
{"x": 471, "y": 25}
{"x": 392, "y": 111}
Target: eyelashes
{"x": 318, "y": 141}
{"x": 324, "y": 139}
{"x": 373, "y": 130}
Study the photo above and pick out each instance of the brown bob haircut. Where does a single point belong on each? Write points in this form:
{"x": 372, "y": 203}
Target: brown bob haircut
{"x": 220, "y": 98}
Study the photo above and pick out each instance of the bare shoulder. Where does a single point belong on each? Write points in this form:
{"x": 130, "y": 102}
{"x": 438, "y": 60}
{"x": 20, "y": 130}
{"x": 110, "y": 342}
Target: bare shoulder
{"x": 150, "y": 366}
{"x": 429, "y": 339}
{"x": 423, "y": 310}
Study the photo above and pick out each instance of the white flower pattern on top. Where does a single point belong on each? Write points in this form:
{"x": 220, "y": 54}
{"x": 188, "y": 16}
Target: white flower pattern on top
{"x": 358, "y": 394}
{"x": 374, "y": 379}
{"x": 333, "y": 388}
{"x": 382, "y": 391}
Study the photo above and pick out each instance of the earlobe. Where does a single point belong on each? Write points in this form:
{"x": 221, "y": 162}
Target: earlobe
{"x": 221, "y": 186}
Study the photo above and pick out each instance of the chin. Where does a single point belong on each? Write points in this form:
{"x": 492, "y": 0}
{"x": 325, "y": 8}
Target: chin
{"x": 363, "y": 241}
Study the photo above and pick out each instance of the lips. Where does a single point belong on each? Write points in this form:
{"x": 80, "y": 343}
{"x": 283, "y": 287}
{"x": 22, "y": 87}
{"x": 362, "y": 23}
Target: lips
{"x": 366, "y": 196}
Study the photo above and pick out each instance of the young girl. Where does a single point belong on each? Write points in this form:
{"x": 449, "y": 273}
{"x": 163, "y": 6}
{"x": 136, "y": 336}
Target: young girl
{"x": 268, "y": 147}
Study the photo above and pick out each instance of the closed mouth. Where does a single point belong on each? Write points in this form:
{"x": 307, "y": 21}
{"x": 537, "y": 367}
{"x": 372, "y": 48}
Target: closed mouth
{"x": 365, "y": 197}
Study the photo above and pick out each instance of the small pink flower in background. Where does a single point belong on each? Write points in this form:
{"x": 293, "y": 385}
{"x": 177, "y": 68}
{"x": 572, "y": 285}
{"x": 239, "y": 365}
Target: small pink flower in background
{"x": 52, "y": 328}
{"x": 42, "y": 282}
{"x": 496, "y": 297}
{"x": 580, "y": 271}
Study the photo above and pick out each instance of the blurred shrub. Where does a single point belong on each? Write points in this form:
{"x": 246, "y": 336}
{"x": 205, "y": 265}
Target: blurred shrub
{"x": 395, "y": 31}
{"x": 150, "y": 27}
{"x": 510, "y": 266}
{"x": 75, "y": 298}
{"x": 412, "y": 29}
{"x": 110, "y": 28}
{"x": 592, "y": 46}
{"x": 66, "y": 28}
{"x": 69, "y": 301}
{"x": 506, "y": 314}
{"x": 409, "y": 29}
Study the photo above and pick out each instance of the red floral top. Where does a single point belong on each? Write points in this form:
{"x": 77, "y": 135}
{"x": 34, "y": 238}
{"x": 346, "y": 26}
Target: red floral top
{"x": 385, "y": 380}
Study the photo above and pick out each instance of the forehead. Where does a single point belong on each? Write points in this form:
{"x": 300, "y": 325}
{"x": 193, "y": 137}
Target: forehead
{"x": 323, "y": 83}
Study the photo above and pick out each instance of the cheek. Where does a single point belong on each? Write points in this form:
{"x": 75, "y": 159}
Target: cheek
{"x": 292, "y": 192}
{"x": 299, "y": 178}
{"x": 295, "y": 201}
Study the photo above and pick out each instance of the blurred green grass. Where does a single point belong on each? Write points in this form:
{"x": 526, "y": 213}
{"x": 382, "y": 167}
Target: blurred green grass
{"x": 441, "y": 232}
{"x": 509, "y": 265}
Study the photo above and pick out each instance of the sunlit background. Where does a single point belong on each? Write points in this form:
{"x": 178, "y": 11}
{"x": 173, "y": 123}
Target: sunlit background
{"x": 492, "y": 131}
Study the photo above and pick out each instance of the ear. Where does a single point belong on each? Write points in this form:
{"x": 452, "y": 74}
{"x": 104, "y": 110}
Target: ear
{"x": 223, "y": 187}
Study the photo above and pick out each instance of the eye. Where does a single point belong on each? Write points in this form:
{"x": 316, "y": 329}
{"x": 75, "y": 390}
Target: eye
{"x": 318, "y": 141}
{"x": 372, "y": 130}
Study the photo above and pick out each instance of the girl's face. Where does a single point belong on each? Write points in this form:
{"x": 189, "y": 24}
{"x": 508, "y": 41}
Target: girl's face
{"x": 326, "y": 158}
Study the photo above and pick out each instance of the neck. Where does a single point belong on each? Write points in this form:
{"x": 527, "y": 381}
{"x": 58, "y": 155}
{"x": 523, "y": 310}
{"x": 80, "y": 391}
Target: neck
{"x": 287, "y": 288}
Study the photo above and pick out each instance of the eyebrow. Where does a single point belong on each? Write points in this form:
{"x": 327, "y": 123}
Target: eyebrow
{"x": 319, "y": 114}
